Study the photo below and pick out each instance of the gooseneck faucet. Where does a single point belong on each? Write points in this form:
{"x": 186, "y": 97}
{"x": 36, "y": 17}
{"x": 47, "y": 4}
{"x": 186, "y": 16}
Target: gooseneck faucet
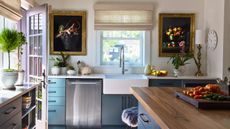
{"x": 122, "y": 59}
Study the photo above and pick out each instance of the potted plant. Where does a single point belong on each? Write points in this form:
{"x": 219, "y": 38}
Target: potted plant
{"x": 21, "y": 72}
{"x": 9, "y": 41}
{"x": 178, "y": 61}
{"x": 62, "y": 63}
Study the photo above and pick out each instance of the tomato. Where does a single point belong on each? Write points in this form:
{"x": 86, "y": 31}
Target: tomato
{"x": 184, "y": 91}
{"x": 201, "y": 89}
{"x": 197, "y": 97}
{"x": 191, "y": 94}
{"x": 196, "y": 92}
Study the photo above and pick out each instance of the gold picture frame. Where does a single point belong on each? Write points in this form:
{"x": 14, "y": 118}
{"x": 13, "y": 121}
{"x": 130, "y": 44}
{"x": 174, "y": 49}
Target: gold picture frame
{"x": 68, "y": 32}
{"x": 176, "y": 33}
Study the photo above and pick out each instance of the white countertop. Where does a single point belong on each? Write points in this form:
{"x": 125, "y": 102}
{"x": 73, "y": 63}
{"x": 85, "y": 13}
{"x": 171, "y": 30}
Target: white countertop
{"x": 7, "y": 96}
{"x": 183, "y": 77}
{"x": 98, "y": 76}
{"x": 102, "y": 76}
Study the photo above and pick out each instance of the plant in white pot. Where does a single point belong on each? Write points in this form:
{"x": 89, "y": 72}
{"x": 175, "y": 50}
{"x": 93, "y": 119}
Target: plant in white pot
{"x": 9, "y": 41}
{"x": 61, "y": 63}
{"x": 178, "y": 61}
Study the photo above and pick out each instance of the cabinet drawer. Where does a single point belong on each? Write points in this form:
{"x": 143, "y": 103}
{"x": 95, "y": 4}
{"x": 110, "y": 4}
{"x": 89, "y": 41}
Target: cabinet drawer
{"x": 56, "y": 82}
{"x": 56, "y": 91}
{"x": 13, "y": 123}
{"x": 56, "y": 101}
{"x": 193, "y": 83}
{"x": 56, "y": 115}
{"x": 8, "y": 111}
{"x": 165, "y": 83}
{"x": 146, "y": 120}
{"x": 140, "y": 125}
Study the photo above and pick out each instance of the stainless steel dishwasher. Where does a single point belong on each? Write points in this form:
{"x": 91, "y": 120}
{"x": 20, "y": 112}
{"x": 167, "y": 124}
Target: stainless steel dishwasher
{"x": 83, "y": 103}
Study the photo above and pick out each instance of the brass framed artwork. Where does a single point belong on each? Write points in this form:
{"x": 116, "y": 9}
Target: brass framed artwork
{"x": 68, "y": 32}
{"x": 176, "y": 33}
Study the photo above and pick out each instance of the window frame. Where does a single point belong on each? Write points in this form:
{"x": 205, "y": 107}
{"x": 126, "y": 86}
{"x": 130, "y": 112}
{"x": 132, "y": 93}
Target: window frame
{"x": 145, "y": 50}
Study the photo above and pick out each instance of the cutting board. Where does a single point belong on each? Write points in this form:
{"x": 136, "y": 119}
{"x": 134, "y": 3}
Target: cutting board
{"x": 202, "y": 103}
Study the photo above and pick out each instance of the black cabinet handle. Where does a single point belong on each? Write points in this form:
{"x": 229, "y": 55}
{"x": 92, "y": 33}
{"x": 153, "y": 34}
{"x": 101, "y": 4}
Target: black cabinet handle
{"x": 51, "y": 110}
{"x": 10, "y": 110}
{"x": 144, "y": 118}
{"x": 52, "y": 92}
{"x": 12, "y": 126}
{"x": 52, "y": 101}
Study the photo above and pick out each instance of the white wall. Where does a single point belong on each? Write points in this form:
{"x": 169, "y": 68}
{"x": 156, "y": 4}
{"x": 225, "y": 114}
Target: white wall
{"x": 214, "y": 19}
{"x": 226, "y": 58}
{"x": 180, "y": 6}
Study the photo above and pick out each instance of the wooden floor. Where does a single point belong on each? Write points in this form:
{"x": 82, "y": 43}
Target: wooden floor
{"x": 104, "y": 127}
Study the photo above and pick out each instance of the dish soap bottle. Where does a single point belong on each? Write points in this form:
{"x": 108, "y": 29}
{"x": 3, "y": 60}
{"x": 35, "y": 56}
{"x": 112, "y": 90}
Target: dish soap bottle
{"x": 147, "y": 69}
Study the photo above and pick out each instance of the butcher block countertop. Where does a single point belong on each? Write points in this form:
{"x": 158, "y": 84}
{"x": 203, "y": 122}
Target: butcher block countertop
{"x": 170, "y": 112}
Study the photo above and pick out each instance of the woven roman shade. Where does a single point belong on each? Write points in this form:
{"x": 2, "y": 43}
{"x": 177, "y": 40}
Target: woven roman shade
{"x": 9, "y": 11}
{"x": 120, "y": 16}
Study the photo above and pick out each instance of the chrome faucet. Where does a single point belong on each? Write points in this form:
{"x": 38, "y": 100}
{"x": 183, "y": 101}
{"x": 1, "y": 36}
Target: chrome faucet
{"x": 122, "y": 59}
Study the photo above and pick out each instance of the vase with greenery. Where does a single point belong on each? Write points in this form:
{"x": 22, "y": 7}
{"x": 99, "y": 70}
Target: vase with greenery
{"x": 10, "y": 40}
{"x": 180, "y": 60}
{"x": 60, "y": 62}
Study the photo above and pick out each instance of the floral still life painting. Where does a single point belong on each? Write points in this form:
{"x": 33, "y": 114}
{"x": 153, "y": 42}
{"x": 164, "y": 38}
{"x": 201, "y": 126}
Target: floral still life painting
{"x": 176, "y": 34}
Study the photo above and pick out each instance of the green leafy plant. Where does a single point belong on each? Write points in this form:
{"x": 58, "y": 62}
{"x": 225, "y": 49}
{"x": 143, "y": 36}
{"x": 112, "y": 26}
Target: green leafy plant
{"x": 61, "y": 61}
{"x": 180, "y": 59}
{"x": 9, "y": 41}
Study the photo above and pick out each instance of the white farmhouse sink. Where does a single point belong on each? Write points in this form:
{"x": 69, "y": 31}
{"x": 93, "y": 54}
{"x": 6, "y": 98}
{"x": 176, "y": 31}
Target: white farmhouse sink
{"x": 120, "y": 84}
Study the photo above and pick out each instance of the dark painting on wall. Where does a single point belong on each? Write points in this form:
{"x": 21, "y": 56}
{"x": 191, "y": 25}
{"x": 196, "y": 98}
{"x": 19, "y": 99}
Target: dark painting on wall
{"x": 68, "y": 32}
{"x": 176, "y": 33}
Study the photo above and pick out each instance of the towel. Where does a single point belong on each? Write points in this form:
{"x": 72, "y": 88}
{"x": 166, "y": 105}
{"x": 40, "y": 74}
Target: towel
{"x": 130, "y": 116}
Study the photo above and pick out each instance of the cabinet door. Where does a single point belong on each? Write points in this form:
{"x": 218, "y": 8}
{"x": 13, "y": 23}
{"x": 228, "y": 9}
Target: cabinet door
{"x": 111, "y": 110}
{"x": 113, "y": 106}
{"x": 56, "y": 115}
{"x": 165, "y": 83}
{"x": 147, "y": 121}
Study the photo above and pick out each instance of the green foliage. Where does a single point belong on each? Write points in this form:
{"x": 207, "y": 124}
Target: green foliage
{"x": 9, "y": 70}
{"x": 11, "y": 40}
{"x": 180, "y": 59}
{"x": 61, "y": 62}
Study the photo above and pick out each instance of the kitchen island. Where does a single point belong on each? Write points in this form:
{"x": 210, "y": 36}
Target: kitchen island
{"x": 169, "y": 112}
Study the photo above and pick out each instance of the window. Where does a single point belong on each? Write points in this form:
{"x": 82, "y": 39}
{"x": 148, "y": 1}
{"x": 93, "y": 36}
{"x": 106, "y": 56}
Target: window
{"x": 112, "y": 41}
{"x": 7, "y": 23}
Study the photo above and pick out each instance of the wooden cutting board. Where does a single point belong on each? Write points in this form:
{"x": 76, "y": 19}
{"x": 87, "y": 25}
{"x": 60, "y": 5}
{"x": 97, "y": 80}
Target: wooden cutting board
{"x": 202, "y": 103}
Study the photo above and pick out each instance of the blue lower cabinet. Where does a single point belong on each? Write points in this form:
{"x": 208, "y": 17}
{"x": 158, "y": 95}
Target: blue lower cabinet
{"x": 56, "y": 82}
{"x": 59, "y": 101}
{"x": 145, "y": 121}
{"x": 56, "y": 115}
{"x": 56, "y": 91}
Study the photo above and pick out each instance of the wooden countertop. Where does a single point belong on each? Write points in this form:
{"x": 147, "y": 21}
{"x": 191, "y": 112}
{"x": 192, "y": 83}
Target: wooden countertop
{"x": 7, "y": 96}
{"x": 172, "y": 113}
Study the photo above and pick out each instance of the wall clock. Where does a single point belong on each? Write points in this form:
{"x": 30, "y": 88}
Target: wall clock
{"x": 212, "y": 39}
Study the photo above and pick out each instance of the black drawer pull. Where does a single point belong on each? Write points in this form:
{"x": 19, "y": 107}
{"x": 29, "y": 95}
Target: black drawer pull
{"x": 12, "y": 126}
{"x": 52, "y": 92}
{"x": 52, "y": 101}
{"x": 51, "y": 110}
{"x": 144, "y": 118}
{"x": 50, "y": 82}
{"x": 10, "y": 110}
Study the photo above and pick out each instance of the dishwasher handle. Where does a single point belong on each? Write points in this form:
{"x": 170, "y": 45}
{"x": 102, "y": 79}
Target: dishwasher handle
{"x": 83, "y": 83}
